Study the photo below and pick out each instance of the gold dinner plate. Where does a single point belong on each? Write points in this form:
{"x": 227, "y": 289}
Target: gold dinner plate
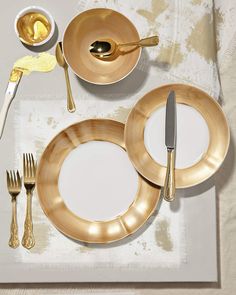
{"x": 211, "y": 112}
{"x": 93, "y": 25}
{"x": 54, "y": 207}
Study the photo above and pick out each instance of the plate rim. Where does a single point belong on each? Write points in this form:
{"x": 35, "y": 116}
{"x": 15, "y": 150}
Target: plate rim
{"x": 140, "y": 139}
{"x": 143, "y": 184}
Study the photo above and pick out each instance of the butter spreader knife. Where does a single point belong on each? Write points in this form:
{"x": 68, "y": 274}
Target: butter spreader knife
{"x": 10, "y": 93}
{"x": 170, "y": 142}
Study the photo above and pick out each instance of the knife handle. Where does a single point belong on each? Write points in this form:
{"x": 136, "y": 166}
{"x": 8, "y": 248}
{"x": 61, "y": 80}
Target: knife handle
{"x": 70, "y": 101}
{"x": 169, "y": 186}
{"x": 10, "y": 93}
{"x": 3, "y": 113}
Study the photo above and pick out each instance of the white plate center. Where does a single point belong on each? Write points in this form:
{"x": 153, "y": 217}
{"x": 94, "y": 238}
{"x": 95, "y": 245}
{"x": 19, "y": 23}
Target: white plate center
{"x": 192, "y": 136}
{"x": 97, "y": 181}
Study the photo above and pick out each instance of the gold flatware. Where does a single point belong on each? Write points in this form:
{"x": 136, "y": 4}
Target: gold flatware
{"x": 53, "y": 205}
{"x": 29, "y": 168}
{"x": 61, "y": 61}
{"x": 10, "y": 93}
{"x": 83, "y": 30}
{"x": 14, "y": 188}
{"x": 105, "y": 48}
{"x": 208, "y": 163}
{"x": 170, "y": 142}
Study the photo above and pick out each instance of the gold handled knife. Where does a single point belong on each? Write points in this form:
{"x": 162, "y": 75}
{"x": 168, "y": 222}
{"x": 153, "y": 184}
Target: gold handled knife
{"x": 10, "y": 93}
{"x": 170, "y": 142}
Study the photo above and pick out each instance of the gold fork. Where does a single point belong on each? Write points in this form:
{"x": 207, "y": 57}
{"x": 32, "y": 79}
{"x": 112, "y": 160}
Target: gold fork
{"x": 14, "y": 188}
{"x": 29, "y": 168}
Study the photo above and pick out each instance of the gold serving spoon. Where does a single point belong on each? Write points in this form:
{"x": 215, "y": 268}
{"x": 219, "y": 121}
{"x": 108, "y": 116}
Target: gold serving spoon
{"x": 61, "y": 61}
{"x": 105, "y": 48}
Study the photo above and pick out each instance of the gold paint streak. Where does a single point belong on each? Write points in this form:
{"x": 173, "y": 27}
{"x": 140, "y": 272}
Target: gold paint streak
{"x": 39, "y": 147}
{"x": 202, "y": 38}
{"x": 44, "y": 62}
{"x": 120, "y": 114}
{"x": 158, "y": 7}
{"x": 162, "y": 235}
{"x": 85, "y": 249}
{"x": 218, "y": 16}
{"x": 41, "y": 229}
{"x": 30, "y": 118}
{"x": 52, "y": 122}
{"x": 170, "y": 56}
{"x": 219, "y": 19}
{"x": 49, "y": 121}
{"x": 42, "y": 235}
{"x": 144, "y": 245}
{"x": 196, "y": 2}
{"x": 147, "y": 14}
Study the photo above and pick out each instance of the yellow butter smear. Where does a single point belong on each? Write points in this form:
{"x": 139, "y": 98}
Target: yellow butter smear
{"x": 44, "y": 62}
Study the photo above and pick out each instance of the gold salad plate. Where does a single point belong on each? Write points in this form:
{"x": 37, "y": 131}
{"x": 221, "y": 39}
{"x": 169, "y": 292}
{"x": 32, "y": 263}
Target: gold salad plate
{"x": 90, "y": 26}
{"x": 145, "y": 201}
{"x": 211, "y": 112}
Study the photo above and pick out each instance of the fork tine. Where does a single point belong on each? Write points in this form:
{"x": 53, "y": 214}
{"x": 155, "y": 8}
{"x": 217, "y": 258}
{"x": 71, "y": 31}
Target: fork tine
{"x": 24, "y": 166}
{"x": 29, "y": 165}
{"x": 11, "y": 179}
{"x": 15, "y": 179}
{"x": 33, "y": 164}
{"x": 8, "y": 179}
{"x": 18, "y": 179}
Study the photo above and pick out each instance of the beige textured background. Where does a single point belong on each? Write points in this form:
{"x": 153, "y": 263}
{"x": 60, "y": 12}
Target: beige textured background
{"x": 227, "y": 231}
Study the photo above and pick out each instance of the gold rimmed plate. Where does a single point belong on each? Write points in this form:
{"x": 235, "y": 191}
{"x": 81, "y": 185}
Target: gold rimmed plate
{"x": 202, "y": 135}
{"x": 71, "y": 151}
{"x": 92, "y": 25}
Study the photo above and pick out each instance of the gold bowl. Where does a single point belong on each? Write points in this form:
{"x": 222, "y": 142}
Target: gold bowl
{"x": 90, "y": 26}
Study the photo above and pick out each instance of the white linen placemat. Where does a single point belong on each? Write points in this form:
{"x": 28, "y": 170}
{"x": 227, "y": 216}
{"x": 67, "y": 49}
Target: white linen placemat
{"x": 166, "y": 233}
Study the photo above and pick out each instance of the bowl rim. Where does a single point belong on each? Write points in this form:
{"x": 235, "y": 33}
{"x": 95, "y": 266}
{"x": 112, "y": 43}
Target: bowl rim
{"x": 101, "y": 83}
{"x": 31, "y": 9}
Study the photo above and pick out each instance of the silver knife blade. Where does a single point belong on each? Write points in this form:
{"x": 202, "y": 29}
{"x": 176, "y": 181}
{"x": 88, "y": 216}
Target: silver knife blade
{"x": 170, "y": 125}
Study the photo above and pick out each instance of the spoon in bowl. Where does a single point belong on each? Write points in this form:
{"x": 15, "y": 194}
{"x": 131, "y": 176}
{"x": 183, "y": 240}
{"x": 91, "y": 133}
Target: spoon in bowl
{"x": 106, "y": 48}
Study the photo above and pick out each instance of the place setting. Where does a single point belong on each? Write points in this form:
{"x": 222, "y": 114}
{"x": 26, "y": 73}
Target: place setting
{"x": 99, "y": 185}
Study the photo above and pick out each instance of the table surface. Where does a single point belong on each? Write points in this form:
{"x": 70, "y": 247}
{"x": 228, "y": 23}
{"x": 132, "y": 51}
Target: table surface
{"x": 227, "y": 229}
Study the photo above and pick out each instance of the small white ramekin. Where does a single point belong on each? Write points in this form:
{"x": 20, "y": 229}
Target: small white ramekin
{"x": 43, "y": 12}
